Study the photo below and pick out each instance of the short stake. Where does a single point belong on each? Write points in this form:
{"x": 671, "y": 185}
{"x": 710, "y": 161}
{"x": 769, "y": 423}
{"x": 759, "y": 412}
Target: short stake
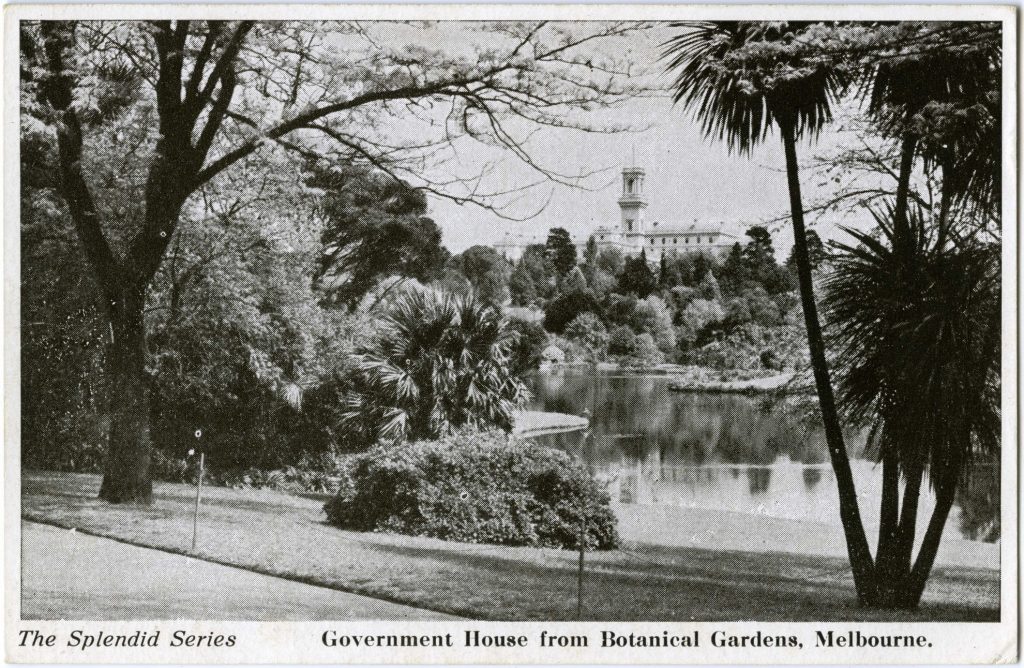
{"x": 199, "y": 489}
{"x": 579, "y": 577}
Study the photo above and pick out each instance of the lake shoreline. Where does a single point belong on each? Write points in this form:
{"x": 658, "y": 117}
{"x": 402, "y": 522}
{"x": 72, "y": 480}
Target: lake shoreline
{"x": 531, "y": 424}
{"x": 783, "y": 383}
{"x": 697, "y": 379}
{"x": 640, "y": 581}
{"x": 669, "y": 525}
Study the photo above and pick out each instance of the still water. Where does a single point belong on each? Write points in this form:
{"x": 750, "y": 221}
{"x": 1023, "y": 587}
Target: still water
{"x": 724, "y": 452}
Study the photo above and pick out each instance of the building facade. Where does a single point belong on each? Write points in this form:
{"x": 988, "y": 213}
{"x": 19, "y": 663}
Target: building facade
{"x": 633, "y": 232}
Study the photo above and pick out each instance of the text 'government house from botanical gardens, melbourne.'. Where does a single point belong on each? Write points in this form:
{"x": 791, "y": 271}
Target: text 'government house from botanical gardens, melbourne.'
{"x": 633, "y": 232}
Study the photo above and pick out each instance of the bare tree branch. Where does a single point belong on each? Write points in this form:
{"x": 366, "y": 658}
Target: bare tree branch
{"x": 57, "y": 38}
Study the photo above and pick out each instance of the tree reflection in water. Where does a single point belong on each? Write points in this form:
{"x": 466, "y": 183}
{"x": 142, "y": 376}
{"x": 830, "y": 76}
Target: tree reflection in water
{"x": 979, "y": 503}
{"x": 720, "y": 451}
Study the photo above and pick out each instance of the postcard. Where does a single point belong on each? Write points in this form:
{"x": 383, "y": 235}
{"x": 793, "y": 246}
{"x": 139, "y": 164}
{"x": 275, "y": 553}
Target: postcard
{"x": 527, "y": 334}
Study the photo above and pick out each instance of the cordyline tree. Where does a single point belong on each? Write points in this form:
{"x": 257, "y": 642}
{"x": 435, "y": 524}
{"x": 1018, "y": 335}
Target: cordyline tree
{"x": 916, "y": 306}
{"x": 929, "y": 86}
{"x": 223, "y": 91}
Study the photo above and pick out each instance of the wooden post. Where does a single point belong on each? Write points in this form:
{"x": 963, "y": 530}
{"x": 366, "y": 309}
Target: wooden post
{"x": 199, "y": 489}
{"x": 579, "y": 578}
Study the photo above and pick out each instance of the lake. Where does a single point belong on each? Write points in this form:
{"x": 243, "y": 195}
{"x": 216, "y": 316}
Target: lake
{"x": 725, "y": 452}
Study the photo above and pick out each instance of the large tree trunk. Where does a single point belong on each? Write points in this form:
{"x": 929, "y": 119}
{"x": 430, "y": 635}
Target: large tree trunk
{"x": 126, "y": 477}
{"x": 856, "y": 540}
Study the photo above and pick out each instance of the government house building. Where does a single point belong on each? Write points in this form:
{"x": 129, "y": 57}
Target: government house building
{"x": 633, "y": 232}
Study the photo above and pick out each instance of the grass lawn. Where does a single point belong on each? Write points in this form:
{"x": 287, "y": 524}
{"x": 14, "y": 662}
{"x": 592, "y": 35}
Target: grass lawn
{"x": 284, "y": 535}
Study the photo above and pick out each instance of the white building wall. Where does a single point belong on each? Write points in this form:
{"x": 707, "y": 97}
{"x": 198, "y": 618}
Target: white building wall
{"x": 633, "y": 233}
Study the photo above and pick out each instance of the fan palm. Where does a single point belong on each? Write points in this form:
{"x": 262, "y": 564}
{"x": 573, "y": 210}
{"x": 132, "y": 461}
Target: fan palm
{"x": 437, "y": 363}
{"x": 916, "y": 324}
{"x": 740, "y": 79}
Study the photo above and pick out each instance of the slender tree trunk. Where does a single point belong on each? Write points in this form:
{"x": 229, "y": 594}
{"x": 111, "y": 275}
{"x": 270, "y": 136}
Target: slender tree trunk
{"x": 856, "y": 540}
{"x": 898, "y": 521}
{"x": 126, "y": 476}
{"x": 889, "y": 517}
{"x": 904, "y": 548}
{"x": 946, "y": 204}
{"x": 946, "y": 495}
{"x": 949, "y": 480}
{"x": 908, "y": 148}
{"x": 892, "y": 563}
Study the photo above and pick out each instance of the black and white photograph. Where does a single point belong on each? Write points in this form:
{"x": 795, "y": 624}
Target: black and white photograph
{"x": 429, "y": 331}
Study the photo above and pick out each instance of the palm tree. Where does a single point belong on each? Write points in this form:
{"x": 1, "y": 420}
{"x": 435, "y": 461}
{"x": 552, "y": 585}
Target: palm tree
{"x": 916, "y": 324}
{"x": 740, "y": 79}
{"x": 941, "y": 103}
{"x": 902, "y": 91}
{"x": 437, "y": 363}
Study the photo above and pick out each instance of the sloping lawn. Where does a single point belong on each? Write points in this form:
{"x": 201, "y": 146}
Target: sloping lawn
{"x": 284, "y": 535}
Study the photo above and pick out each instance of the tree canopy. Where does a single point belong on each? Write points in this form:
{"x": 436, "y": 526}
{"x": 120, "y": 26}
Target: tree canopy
{"x": 375, "y": 227}
{"x": 186, "y": 102}
{"x": 561, "y": 251}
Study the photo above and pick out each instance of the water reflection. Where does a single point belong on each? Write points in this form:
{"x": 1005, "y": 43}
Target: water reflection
{"x": 723, "y": 452}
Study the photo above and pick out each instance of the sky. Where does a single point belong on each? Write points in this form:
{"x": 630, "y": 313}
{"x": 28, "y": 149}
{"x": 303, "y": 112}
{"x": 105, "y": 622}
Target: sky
{"x": 688, "y": 178}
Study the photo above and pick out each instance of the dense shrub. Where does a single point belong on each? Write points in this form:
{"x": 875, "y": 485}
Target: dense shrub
{"x": 479, "y": 487}
{"x": 745, "y": 348}
{"x": 621, "y": 341}
{"x": 645, "y": 352}
{"x": 525, "y": 351}
{"x": 564, "y": 308}
{"x": 588, "y": 332}
{"x": 631, "y": 349}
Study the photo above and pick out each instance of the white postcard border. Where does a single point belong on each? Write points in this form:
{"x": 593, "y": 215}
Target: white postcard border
{"x": 289, "y": 642}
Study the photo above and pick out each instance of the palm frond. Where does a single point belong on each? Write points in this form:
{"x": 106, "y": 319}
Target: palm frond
{"x": 739, "y": 77}
{"x": 437, "y": 363}
{"x": 915, "y": 323}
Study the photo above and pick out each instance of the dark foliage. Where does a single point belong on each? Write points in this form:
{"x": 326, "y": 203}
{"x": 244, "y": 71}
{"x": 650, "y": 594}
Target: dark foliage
{"x": 478, "y": 487}
{"x": 917, "y": 329}
{"x": 637, "y": 278}
{"x": 521, "y": 287}
{"x": 525, "y": 353}
{"x": 564, "y": 308}
{"x": 375, "y": 226}
{"x": 487, "y": 272}
{"x": 560, "y": 251}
